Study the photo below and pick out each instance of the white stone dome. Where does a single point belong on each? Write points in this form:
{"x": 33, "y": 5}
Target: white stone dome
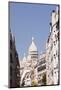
{"x": 32, "y": 46}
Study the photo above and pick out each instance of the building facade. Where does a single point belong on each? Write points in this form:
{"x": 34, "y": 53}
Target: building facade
{"x": 14, "y": 66}
{"x": 52, "y": 50}
{"x": 42, "y": 69}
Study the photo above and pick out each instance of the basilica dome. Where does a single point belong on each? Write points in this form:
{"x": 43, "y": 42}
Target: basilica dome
{"x": 32, "y": 46}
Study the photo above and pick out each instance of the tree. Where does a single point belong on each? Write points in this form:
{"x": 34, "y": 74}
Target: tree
{"x": 34, "y": 83}
{"x": 44, "y": 79}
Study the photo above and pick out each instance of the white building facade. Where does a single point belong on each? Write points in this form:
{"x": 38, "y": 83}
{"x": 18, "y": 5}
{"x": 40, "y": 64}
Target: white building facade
{"x": 42, "y": 69}
{"x": 52, "y": 50}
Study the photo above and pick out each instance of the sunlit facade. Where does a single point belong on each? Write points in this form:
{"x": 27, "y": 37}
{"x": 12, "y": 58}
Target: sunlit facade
{"x": 52, "y": 47}
{"x": 42, "y": 69}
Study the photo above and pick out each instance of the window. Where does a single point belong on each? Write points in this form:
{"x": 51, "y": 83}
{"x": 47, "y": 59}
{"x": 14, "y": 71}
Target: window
{"x": 54, "y": 30}
{"x": 48, "y": 75}
{"x": 10, "y": 70}
{"x": 54, "y": 43}
{"x": 56, "y": 52}
{"x": 42, "y": 62}
{"x": 10, "y": 44}
{"x": 51, "y": 47}
{"x": 33, "y": 56}
{"x": 55, "y": 36}
{"x": 27, "y": 76}
{"x": 42, "y": 68}
{"x": 58, "y": 57}
{"x": 54, "y": 56}
{"x": 51, "y": 59}
{"x": 56, "y": 40}
{"x": 10, "y": 82}
{"x": 11, "y": 60}
{"x": 58, "y": 35}
{"x": 55, "y": 72}
{"x": 52, "y": 72}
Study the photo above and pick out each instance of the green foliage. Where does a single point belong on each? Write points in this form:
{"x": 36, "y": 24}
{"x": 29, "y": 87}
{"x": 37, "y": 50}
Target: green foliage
{"x": 34, "y": 83}
{"x": 44, "y": 79}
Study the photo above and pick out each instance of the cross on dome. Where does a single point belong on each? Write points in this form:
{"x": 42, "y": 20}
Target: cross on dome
{"x": 32, "y": 38}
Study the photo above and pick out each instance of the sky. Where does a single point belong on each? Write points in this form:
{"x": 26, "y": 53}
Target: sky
{"x": 30, "y": 20}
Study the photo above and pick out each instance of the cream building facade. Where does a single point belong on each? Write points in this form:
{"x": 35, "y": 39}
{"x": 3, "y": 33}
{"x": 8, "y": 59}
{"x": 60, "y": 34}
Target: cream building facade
{"x": 52, "y": 50}
{"x": 42, "y": 69}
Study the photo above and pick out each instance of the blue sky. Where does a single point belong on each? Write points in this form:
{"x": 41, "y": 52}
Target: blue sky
{"x": 27, "y": 21}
